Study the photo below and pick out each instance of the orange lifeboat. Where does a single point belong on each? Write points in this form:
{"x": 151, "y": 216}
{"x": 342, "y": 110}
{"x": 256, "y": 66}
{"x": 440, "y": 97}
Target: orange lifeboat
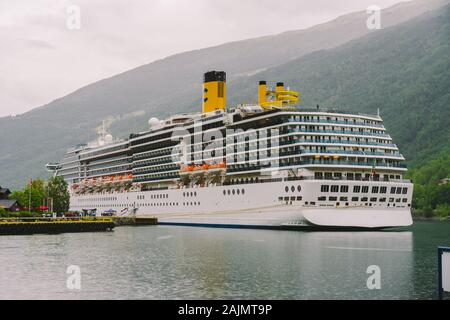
{"x": 205, "y": 166}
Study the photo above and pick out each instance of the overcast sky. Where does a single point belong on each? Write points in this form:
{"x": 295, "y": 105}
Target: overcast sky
{"x": 41, "y": 59}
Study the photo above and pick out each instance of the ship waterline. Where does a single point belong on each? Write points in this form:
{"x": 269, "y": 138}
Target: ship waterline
{"x": 266, "y": 165}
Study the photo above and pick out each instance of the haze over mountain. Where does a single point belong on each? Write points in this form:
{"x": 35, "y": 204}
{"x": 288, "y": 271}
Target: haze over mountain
{"x": 402, "y": 69}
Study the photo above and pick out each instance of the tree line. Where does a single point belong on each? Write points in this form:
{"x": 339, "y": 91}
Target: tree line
{"x": 53, "y": 192}
{"x": 431, "y": 188}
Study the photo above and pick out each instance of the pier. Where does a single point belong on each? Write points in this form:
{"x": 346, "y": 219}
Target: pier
{"x": 14, "y": 226}
{"x": 135, "y": 221}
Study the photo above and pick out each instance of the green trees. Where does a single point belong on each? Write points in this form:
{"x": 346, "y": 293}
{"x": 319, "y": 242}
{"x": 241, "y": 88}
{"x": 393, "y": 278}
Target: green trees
{"x": 431, "y": 191}
{"x": 44, "y": 193}
{"x": 57, "y": 191}
{"x": 35, "y": 191}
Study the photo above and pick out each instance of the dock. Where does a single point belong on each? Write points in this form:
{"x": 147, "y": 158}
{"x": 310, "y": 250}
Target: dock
{"x": 14, "y": 226}
{"x": 135, "y": 221}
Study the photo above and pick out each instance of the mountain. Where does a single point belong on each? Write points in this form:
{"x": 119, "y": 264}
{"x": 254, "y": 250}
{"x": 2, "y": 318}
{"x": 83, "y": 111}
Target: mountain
{"x": 173, "y": 85}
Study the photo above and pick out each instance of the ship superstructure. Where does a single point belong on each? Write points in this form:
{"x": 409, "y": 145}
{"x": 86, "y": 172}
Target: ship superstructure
{"x": 265, "y": 165}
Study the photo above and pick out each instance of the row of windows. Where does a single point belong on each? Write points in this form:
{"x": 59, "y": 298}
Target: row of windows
{"x": 156, "y": 169}
{"x": 190, "y": 194}
{"x": 293, "y": 189}
{"x": 156, "y": 153}
{"x": 154, "y": 196}
{"x": 290, "y": 198}
{"x": 98, "y": 199}
{"x": 352, "y": 176}
{"x": 162, "y": 204}
{"x": 363, "y": 189}
{"x": 234, "y": 192}
{"x": 363, "y": 199}
{"x": 104, "y": 151}
{"x": 169, "y": 204}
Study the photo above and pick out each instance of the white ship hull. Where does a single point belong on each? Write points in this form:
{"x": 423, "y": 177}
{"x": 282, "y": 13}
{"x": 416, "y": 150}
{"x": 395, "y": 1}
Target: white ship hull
{"x": 263, "y": 205}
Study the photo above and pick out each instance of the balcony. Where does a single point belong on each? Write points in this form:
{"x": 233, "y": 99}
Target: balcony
{"x": 256, "y": 167}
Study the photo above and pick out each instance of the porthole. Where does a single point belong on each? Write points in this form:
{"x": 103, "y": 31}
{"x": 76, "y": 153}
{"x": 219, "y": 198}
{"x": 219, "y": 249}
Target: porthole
{"x": 238, "y": 191}
{"x": 234, "y": 192}
{"x": 224, "y": 192}
{"x": 287, "y": 189}
{"x": 229, "y": 192}
{"x": 243, "y": 191}
{"x": 299, "y": 188}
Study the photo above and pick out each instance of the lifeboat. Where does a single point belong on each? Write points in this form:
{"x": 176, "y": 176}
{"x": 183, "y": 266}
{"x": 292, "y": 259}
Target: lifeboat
{"x": 198, "y": 168}
{"x": 205, "y": 167}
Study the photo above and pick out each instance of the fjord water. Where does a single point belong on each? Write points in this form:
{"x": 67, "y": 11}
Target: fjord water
{"x": 199, "y": 263}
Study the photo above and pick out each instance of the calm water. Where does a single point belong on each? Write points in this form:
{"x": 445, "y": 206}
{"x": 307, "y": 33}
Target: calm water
{"x": 200, "y": 263}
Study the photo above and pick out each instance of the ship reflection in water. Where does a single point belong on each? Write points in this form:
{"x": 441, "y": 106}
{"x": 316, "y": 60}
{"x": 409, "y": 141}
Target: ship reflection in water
{"x": 199, "y": 263}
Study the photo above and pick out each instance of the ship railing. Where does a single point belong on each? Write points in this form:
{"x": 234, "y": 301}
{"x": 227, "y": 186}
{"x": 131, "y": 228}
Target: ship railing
{"x": 337, "y": 111}
{"x": 350, "y": 123}
{"x": 358, "y": 143}
{"x": 255, "y": 167}
{"x": 343, "y": 132}
{"x": 362, "y": 179}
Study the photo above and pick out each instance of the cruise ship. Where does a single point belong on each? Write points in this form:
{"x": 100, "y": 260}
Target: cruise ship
{"x": 272, "y": 164}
